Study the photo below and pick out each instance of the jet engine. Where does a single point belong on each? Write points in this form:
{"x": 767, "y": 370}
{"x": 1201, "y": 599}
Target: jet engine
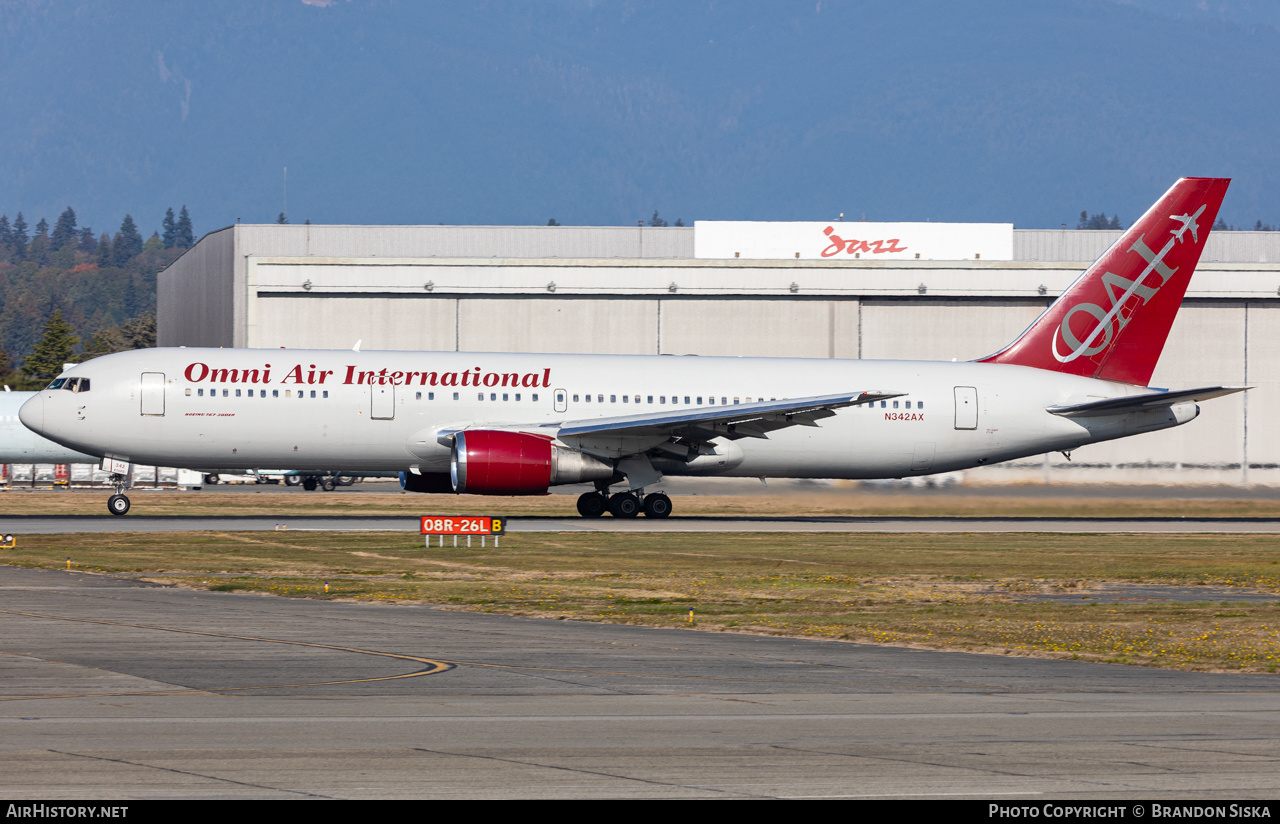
{"x": 492, "y": 462}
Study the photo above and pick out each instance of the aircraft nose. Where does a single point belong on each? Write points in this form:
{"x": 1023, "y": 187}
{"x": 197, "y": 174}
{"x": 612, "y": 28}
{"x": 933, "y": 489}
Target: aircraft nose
{"x": 31, "y": 413}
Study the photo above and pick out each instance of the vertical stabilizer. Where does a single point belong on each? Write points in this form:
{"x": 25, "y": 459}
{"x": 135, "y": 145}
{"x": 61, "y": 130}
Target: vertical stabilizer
{"x": 1113, "y": 321}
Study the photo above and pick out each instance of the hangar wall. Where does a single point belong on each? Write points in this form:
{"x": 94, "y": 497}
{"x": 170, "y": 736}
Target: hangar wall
{"x": 629, "y": 291}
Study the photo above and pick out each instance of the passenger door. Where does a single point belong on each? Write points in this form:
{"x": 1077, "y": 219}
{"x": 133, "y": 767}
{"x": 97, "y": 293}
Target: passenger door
{"x": 153, "y": 393}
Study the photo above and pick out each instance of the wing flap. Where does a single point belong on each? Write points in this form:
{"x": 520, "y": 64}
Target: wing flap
{"x": 1139, "y": 403}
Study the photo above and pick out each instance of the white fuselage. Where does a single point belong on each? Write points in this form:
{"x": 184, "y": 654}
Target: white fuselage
{"x": 20, "y": 445}
{"x": 380, "y": 411}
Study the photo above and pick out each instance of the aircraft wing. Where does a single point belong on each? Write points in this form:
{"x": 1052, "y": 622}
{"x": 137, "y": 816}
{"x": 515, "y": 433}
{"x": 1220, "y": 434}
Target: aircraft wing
{"x": 684, "y": 431}
{"x": 1139, "y": 403}
{"x": 629, "y": 434}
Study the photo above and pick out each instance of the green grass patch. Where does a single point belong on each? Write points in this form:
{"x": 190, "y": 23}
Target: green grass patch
{"x": 960, "y": 592}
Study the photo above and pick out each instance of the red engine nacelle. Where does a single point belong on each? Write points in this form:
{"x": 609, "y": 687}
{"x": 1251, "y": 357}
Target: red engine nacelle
{"x": 488, "y": 462}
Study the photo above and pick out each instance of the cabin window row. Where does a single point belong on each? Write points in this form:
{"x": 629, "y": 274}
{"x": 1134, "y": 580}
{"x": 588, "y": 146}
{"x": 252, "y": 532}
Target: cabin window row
{"x": 261, "y": 393}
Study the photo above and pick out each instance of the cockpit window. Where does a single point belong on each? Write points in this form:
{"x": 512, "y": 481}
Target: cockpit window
{"x": 57, "y": 383}
{"x": 73, "y": 385}
{"x": 84, "y": 386}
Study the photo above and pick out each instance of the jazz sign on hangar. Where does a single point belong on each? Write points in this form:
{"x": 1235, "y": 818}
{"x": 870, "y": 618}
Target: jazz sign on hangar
{"x": 851, "y": 240}
{"x": 468, "y": 525}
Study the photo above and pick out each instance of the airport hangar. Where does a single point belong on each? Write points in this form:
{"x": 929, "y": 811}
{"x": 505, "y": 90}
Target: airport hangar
{"x": 739, "y": 289}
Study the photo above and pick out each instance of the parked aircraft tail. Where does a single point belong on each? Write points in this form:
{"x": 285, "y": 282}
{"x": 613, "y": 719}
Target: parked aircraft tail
{"x": 1113, "y": 321}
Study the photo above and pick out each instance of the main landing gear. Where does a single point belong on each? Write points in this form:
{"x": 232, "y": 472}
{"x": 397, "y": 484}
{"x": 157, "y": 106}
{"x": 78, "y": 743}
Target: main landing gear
{"x": 118, "y": 504}
{"x": 623, "y": 505}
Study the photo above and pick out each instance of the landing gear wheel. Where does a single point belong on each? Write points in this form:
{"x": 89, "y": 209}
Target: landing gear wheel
{"x": 592, "y": 504}
{"x": 117, "y": 505}
{"x": 327, "y": 484}
{"x": 344, "y": 480}
{"x": 657, "y": 505}
{"x": 292, "y": 480}
{"x": 624, "y": 505}
{"x": 309, "y": 484}
{"x": 211, "y": 480}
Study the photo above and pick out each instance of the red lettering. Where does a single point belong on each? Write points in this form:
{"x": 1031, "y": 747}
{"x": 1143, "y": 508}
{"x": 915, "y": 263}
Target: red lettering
{"x": 837, "y": 244}
{"x": 546, "y": 378}
{"x": 491, "y": 379}
{"x": 294, "y": 376}
{"x": 191, "y": 376}
{"x": 878, "y": 247}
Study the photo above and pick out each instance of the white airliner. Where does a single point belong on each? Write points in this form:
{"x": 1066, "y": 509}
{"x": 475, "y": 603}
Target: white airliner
{"x": 516, "y": 424}
{"x": 20, "y": 445}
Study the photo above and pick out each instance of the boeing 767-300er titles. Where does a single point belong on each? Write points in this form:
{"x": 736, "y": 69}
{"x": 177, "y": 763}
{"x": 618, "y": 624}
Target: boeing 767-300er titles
{"x": 516, "y": 424}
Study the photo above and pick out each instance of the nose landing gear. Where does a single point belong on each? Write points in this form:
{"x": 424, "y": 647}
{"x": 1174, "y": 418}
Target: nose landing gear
{"x": 118, "y": 504}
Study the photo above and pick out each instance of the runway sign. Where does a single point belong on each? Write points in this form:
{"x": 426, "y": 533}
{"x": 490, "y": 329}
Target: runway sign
{"x": 462, "y": 525}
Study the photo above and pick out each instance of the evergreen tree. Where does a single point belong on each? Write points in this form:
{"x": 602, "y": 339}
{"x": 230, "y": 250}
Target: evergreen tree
{"x": 679, "y": 222}
{"x": 137, "y": 333}
{"x": 184, "y": 236}
{"x": 52, "y": 352}
{"x": 1098, "y": 221}
{"x": 154, "y": 243}
{"x": 87, "y": 242}
{"x": 104, "y": 342}
{"x": 140, "y": 332}
{"x": 102, "y": 255}
{"x": 6, "y": 239}
{"x": 655, "y": 220}
{"x": 19, "y": 242}
{"x": 170, "y": 227}
{"x": 127, "y": 243}
{"x": 64, "y": 231}
{"x": 38, "y": 249}
{"x": 553, "y": 222}
{"x": 282, "y": 218}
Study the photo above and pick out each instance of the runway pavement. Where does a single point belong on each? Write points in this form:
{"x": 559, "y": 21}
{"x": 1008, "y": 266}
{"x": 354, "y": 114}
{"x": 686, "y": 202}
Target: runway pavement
{"x": 118, "y": 689}
{"x": 42, "y": 524}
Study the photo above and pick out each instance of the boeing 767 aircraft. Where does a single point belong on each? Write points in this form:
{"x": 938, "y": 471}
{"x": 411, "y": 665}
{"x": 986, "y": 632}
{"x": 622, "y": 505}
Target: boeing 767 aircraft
{"x": 517, "y": 424}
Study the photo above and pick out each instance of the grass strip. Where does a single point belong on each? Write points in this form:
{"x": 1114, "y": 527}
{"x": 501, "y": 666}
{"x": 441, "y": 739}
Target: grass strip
{"x": 954, "y": 592}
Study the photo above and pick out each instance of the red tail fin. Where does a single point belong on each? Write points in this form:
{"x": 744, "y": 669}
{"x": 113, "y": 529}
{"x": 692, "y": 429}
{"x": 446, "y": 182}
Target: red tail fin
{"x": 1113, "y": 321}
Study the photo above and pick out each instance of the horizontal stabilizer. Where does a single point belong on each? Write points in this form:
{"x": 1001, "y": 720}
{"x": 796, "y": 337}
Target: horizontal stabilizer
{"x": 1138, "y": 403}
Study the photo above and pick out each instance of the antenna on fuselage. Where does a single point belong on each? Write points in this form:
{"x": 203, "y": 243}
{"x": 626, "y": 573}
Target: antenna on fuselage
{"x": 356, "y": 348}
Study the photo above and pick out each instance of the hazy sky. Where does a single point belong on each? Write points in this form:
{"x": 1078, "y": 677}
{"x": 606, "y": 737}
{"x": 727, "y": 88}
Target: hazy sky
{"x": 601, "y": 112}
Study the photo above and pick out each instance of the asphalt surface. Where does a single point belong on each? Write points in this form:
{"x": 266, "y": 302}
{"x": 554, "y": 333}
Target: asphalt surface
{"x": 51, "y": 524}
{"x": 117, "y": 689}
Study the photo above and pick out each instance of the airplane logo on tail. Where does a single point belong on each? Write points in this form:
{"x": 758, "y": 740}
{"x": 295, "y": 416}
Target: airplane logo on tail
{"x": 1188, "y": 222}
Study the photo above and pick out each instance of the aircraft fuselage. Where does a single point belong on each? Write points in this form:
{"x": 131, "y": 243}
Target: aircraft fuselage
{"x": 381, "y": 411}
